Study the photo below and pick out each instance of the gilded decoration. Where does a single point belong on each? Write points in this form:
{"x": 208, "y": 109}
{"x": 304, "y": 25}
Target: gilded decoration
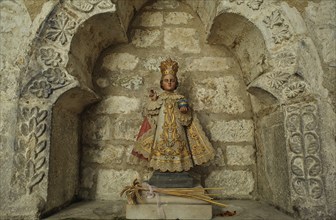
{"x": 171, "y": 138}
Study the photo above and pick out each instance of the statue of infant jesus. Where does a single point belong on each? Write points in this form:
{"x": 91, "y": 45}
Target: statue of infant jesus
{"x": 171, "y": 138}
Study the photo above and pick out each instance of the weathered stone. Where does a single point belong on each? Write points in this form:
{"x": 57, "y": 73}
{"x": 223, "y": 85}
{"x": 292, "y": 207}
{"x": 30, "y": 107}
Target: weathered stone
{"x": 170, "y": 210}
{"x": 153, "y": 63}
{"x": 108, "y": 155}
{"x": 164, "y": 4}
{"x": 126, "y": 127}
{"x": 222, "y": 94}
{"x": 328, "y": 42}
{"x": 151, "y": 19}
{"x": 111, "y": 182}
{"x": 240, "y": 155}
{"x": 96, "y": 128}
{"x": 146, "y": 38}
{"x": 118, "y": 105}
{"x": 184, "y": 39}
{"x": 232, "y": 131}
{"x": 129, "y": 82}
{"x": 219, "y": 157}
{"x": 102, "y": 82}
{"x": 88, "y": 176}
{"x": 238, "y": 184}
{"x": 177, "y": 18}
{"x": 120, "y": 61}
{"x": 220, "y": 64}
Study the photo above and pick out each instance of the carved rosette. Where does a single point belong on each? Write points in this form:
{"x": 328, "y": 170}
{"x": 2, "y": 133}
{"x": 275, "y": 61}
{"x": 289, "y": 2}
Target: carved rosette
{"x": 31, "y": 153}
{"x": 278, "y": 27}
{"x": 61, "y": 28}
{"x": 90, "y": 5}
{"x": 303, "y": 147}
{"x": 47, "y": 82}
{"x": 253, "y": 4}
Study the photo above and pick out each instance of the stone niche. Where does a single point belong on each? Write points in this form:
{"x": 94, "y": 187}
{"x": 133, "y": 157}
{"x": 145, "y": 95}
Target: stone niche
{"x": 245, "y": 66}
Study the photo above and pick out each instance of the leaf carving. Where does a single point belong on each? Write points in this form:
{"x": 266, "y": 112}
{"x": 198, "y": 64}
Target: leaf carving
{"x": 25, "y": 114}
{"x": 24, "y": 129}
{"x": 295, "y": 143}
{"x": 314, "y": 166}
{"x": 40, "y": 147}
{"x": 30, "y": 168}
{"x": 36, "y": 179}
{"x": 41, "y": 116}
{"x": 297, "y": 166}
{"x": 39, "y": 163}
{"x": 19, "y": 161}
{"x": 299, "y": 186}
{"x": 105, "y": 4}
{"x": 32, "y": 124}
{"x": 40, "y": 129}
{"x": 311, "y": 141}
{"x": 315, "y": 188}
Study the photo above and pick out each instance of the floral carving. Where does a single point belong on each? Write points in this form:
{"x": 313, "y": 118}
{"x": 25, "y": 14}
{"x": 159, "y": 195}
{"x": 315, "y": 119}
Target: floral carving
{"x": 238, "y": 1}
{"x": 55, "y": 76}
{"x": 281, "y": 33}
{"x": 277, "y": 79}
{"x": 294, "y": 89}
{"x": 304, "y": 151}
{"x": 87, "y": 6}
{"x": 279, "y": 29}
{"x": 61, "y": 28}
{"x": 30, "y": 158}
{"x": 274, "y": 19}
{"x": 50, "y": 57}
{"x": 285, "y": 59}
{"x": 253, "y": 4}
{"x": 50, "y": 80}
{"x": 42, "y": 89}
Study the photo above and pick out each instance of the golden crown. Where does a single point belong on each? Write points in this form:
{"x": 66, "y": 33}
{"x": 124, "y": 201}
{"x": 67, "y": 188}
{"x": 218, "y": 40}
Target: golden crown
{"x": 169, "y": 66}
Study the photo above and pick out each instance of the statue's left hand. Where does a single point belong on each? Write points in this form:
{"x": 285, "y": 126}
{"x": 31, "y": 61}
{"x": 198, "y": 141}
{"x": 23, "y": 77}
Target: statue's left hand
{"x": 183, "y": 109}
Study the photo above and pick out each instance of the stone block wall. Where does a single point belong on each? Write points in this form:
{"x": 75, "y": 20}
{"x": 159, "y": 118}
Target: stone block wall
{"x": 209, "y": 76}
{"x": 283, "y": 50}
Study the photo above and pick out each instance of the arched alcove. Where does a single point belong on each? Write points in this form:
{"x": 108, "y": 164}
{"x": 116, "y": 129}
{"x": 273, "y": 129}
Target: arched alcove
{"x": 57, "y": 85}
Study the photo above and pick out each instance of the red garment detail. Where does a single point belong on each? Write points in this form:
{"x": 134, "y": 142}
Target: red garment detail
{"x": 144, "y": 128}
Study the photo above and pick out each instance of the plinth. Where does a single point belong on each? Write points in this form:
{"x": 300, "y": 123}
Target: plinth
{"x": 169, "y": 207}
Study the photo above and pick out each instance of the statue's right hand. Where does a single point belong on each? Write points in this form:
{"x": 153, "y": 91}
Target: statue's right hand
{"x": 152, "y": 95}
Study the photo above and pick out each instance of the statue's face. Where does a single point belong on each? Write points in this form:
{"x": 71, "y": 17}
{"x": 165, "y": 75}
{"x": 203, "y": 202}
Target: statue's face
{"x": 169, "y": 82}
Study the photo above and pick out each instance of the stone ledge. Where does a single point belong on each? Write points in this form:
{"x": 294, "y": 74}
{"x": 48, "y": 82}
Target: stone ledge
{"x": 168, "y": 211}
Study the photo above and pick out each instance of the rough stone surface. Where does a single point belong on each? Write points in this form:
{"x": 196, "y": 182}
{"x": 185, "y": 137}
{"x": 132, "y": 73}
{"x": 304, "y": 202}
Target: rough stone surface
{"x": 232, "y": 131}
{"x": 151, "y": 19}
{"x": 111, "y": 182}
{"x": 98, "y": 128}
{"x": 109, "y": 155}
{"x": 146, "y": 38}
{"x": 210, "y": 64}
{"x": 117, "y": 104}
{"x": 177, "y": 18}
{"x": 219, "y": 95}
{"x": 237, "y": 184}
{"x": 282, "y": 52}
{"x": 183, "y": 39}
{"x": 121, "y": 61}
{"x": 240, "y": 155}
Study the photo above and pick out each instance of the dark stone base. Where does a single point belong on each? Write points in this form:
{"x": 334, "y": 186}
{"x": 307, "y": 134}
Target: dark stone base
{"x": 171, "y": 180}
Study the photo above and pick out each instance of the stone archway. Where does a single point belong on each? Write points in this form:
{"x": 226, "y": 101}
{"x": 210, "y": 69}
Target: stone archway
{"x": 55, "y": 72}
{"x": 57, "y": 85}
{"x": 280, "y": 74}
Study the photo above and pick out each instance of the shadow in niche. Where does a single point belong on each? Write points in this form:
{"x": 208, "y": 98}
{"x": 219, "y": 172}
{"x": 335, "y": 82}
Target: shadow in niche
{"x": 64, "y": 161}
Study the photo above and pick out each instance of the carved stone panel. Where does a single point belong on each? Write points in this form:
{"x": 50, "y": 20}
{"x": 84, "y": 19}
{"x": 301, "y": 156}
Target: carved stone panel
{"x": 279, "y": 28}
{"x": 303, "y": 147}
{"x": 31, "y": 150}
